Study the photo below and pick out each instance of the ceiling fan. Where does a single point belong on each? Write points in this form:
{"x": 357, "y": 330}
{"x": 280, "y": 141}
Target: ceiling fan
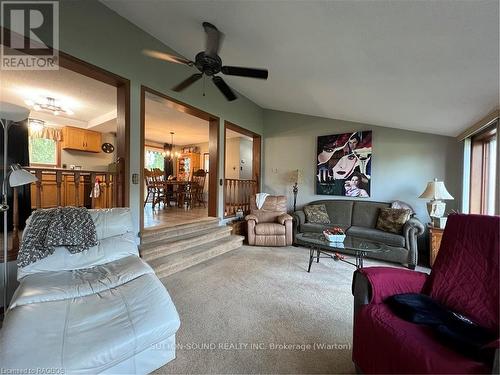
{"x": 209, "y": 64}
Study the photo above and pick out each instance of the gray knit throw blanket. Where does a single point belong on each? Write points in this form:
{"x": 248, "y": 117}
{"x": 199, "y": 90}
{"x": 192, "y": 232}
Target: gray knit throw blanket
{"x": 71, "y": 227}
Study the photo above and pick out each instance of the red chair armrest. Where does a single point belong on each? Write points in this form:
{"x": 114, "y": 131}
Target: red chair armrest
{"x": 388, "y": 281}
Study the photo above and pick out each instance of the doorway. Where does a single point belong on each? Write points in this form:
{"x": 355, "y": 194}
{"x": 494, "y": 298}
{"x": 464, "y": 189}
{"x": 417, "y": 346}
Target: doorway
{"x": 242, "y": 149}
{"x": 180, "y": 162}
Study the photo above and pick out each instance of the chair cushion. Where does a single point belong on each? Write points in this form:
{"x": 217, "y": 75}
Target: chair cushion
{"x": 413, "y": 348}
{"x": 392, "y": 219}
{"x": 466, "y": 270}
{"x": 387, "y": 238}
{"x": 316, "y": 214}
{"x": 268, "y": 229}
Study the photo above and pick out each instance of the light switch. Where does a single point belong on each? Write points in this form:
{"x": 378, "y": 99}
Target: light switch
{"x": 135, "y": 178}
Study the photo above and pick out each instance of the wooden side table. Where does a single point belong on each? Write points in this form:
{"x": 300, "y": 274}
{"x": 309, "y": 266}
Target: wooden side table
{"x": 435, "y": 236}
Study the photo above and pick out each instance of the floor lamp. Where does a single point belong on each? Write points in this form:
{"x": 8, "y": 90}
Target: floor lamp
{"x": 10, "y": 114}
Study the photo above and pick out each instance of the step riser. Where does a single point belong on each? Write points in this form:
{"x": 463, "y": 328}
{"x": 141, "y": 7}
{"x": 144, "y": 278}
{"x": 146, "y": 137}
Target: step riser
{"x": 167, "y": 270}
{"x": 173, "y": 232}
{"x": 158, "y": 251}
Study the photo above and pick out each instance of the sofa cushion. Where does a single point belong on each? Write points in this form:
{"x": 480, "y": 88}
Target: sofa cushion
{"x": 387, "y": 238}
{"x": 340, "y": 212}
{"x": 365, "y": 214}
{"x": 316, "y": 214}
{"x": 268, "y": 229}
{"x": 413, "y": 348}
{"x": 392, "y": 219}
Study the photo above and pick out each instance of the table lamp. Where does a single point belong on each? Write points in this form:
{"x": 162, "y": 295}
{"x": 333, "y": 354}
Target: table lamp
{"x": 436, "y": 192}
{"x": 10, "y": 114}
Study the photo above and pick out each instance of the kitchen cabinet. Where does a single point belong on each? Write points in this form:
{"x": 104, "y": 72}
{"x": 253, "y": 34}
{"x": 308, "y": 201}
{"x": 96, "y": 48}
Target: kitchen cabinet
{"x": 80, "y": 139}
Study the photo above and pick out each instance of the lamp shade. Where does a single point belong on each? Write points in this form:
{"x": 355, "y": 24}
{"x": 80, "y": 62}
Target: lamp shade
{"x": 295, "y": 176}
{"x": 436, "y": 190}
{"x": 13, "y": 112}
{"x": 19, "y": 176}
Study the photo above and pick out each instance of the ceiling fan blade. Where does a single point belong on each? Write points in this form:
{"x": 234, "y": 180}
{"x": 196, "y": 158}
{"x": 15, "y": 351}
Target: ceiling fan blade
{"x": 166, "y": 57}
{"x": 213, "y": 40}
{"x": 187, "y": 82}
{"x": 224, "y": 88}
{"x": 245, "y": 72}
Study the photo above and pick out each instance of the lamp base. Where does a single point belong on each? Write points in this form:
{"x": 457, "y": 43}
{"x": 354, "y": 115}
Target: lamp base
{"x": 439, "y": 222}
{"x": 436, "y": 208}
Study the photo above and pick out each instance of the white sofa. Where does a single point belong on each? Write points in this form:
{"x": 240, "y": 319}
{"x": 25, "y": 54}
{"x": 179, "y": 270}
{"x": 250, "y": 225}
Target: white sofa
{"x": 99, "y": 311}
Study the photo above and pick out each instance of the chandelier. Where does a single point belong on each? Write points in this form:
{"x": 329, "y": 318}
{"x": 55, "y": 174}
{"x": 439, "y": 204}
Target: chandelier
{"x": 49, "y": 104}
{"x": 168, "y": 149}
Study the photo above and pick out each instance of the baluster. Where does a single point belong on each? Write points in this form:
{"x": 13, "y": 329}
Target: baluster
{"x": 235, "y": 196}
{"x": 38, "y": 175}
{"x": 15, "y": 220}
{"x": 59, "y": 179}
{"x": 106, "y": 191}
{"x": 92, "y": 183}
{"x": 76, "y": 178}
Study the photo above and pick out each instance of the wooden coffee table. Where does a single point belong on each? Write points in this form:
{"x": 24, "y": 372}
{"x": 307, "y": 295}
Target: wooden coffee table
{"x": 319, "y": 247}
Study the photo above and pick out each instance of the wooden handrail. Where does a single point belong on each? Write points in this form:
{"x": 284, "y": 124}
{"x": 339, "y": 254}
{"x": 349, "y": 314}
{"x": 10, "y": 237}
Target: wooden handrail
{"x": 237, "y": 195}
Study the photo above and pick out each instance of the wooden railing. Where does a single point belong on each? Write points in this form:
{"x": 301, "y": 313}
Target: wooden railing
{"x": 237, "y": 195}
{"x": 62, "y": 187}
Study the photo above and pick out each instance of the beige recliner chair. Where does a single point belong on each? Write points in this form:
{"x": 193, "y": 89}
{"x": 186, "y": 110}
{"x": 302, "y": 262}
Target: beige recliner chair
{"x": 271, "y": 225}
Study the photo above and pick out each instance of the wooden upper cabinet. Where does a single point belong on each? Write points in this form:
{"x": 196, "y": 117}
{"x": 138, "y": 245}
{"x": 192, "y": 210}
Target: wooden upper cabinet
{"x": 81, "y": 139}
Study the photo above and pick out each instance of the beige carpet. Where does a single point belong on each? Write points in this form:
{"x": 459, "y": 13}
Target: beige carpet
{"x": 257, "y": 310}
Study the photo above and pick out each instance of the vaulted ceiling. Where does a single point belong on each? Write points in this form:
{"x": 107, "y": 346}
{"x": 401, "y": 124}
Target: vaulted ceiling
{"x": 424, "y": 65}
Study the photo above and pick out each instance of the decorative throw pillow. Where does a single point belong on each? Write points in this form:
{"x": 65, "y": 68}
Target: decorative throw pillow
{"x": 316, "y": 214}
{"x": 392, "y": 219}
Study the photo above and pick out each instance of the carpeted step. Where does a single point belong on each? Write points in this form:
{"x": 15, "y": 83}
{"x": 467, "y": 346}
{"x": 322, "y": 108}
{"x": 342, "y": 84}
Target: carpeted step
{"x": 157, "y": 249}
{"x": 172, "y": 263}
{"x": 158, "y": 234}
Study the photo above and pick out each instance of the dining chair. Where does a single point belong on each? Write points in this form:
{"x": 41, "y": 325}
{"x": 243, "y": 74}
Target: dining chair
{"x": 197, "y": 188}
{"x": 149, "y": 182}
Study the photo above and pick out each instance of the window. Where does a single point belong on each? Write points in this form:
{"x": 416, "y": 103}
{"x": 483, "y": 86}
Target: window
{"x": 154, "y": 159}
{"x": 43, "y": 151}
{"x": 483, "y": 170}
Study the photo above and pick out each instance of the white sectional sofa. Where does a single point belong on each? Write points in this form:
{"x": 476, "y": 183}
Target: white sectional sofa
{"x": 99, "y": 311}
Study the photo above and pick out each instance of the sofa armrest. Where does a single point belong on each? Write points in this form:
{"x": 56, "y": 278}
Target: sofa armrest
{"x": 413, "y": 224}
{"x": 252, "y": 217}
{"x": 411, "y": 230}
{"x": 299, "y": 217}
{"x": 375, "y": 284}
{"x": 284, "y": 217}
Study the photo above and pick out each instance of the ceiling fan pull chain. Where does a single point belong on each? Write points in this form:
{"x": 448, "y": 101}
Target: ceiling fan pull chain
{"x": 204, "y": 84}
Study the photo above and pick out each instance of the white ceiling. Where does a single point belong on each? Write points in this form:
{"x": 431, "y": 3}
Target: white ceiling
{"x": 430, "y": 66}
{"x": 161, "y": 119}
{"x": 93, "y": 102}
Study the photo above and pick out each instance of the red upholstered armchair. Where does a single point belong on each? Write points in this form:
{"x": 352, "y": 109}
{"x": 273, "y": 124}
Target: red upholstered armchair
{"x": 465, "y": 278}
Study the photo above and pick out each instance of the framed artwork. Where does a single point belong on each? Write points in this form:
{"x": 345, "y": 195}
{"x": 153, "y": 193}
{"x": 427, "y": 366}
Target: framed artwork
{"x": 343, "y": 164}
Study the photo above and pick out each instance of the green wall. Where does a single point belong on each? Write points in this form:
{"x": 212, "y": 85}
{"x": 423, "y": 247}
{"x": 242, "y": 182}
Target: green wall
{"x": 402, "y": 161}
{"x": 96, "y": 34}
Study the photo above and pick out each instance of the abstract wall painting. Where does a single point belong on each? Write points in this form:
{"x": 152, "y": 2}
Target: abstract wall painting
{"x": 344, "y": 164}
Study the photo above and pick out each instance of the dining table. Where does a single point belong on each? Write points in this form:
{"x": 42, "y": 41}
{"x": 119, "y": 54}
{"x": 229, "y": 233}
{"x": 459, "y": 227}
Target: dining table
{"x": 182, "y": 188}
